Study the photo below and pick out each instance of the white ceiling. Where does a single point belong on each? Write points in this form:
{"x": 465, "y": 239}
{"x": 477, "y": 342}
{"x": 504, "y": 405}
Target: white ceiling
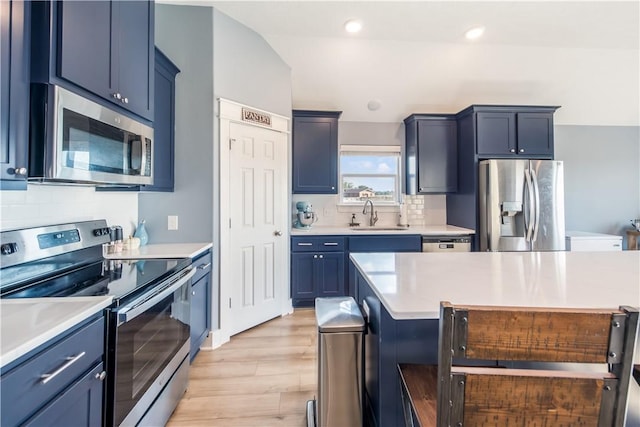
{"x": 411, "y": 56}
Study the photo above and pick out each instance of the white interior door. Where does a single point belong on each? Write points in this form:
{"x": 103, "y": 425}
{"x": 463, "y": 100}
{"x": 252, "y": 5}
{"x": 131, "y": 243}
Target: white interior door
{"x": 257, "y": 229}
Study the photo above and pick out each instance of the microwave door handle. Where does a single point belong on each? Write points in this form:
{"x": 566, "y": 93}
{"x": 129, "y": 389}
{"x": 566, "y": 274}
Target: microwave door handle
{"x": 529, "y": 218}
{"x": 136, "y": 153}
{"x": 143, "y": 156}
{"x": 136, "y": 308}
{"x": 536, "y": 195}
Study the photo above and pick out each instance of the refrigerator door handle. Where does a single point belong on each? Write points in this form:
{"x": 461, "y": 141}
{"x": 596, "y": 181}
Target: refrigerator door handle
{"x": 529, "y": 219}
{"x": 536, "y": 194}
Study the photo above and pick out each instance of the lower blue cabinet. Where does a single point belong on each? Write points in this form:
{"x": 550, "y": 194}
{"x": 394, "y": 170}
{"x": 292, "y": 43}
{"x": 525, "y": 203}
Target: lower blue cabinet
{"x": 61, "y": 383}
{"x": 79, "y": 405}
{"x": 200, "y": 302}
{"x": 317, "y": 269}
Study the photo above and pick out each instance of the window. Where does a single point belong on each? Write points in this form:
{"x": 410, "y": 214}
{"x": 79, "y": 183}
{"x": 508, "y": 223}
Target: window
{"x": 369, "y": 172}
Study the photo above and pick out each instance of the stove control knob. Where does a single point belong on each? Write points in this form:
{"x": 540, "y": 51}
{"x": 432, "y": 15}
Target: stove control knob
{"x": 9, "y": 248}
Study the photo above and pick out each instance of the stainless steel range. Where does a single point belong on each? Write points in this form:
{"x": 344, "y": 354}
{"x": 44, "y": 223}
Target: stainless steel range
{"x": 147, "y": 333}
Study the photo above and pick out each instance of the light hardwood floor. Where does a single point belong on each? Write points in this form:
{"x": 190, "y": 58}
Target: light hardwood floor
{"x": 263, "y": 377}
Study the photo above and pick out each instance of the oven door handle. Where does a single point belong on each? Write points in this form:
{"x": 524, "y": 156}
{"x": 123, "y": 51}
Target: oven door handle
{"x": 138, "y": 307}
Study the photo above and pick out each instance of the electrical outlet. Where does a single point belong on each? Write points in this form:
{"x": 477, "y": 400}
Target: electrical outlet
{"x": 172, "y": 222}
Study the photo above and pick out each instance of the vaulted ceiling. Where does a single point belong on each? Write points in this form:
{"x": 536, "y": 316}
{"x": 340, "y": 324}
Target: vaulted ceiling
{"x": 411, "y": 56}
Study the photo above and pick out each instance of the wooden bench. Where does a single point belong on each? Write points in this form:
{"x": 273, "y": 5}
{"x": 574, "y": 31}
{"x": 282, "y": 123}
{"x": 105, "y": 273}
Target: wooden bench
{"x": 501, "y": 366}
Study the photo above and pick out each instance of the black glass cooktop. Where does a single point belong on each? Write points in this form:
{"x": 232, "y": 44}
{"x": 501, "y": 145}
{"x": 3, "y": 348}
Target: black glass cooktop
{"x": 120, "y": 278}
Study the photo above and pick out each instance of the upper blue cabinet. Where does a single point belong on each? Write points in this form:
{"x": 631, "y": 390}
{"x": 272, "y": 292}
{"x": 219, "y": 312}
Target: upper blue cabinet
{"x": 14, "y": 93}
{"x": 103, "y": 48}
{"x": 315, "y": 152}
{"x": 513, "y": 131}
{"x": 431, "y": 150}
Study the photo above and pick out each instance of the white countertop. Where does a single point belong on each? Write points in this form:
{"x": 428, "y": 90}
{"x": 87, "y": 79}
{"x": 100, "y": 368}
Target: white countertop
{"x": 163, "y": 250}
{"x": 27, "y": 323}
{"x": 590, "y": 235}
{"x": 411, "y": 285}
{"x": 425, "y": 230}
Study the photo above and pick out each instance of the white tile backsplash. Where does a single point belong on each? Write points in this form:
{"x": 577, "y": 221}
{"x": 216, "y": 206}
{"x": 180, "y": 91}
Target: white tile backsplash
{"x": 56, "y": 204}
{"x": 421, "y": 210}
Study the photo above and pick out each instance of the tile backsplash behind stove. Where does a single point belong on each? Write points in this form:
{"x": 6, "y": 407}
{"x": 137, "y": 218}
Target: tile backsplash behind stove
{"x": 421, "y": 210}
{"x": 56, "y": 204}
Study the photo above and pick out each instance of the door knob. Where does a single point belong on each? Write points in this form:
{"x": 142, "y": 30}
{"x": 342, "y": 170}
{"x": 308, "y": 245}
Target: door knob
{"x": 277, "y": 233}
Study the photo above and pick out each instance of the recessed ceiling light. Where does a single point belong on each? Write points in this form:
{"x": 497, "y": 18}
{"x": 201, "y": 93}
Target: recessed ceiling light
{"x": 474, "y": 33}
{"x": 353, "y": 26}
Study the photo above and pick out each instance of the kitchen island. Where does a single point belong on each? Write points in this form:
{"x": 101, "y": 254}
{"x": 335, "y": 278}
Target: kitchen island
{"x": 401, "y": 294}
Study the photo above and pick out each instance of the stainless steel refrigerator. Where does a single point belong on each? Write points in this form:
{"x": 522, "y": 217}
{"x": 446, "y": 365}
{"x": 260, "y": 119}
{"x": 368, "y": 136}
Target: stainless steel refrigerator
{"x": 521, "y": 205}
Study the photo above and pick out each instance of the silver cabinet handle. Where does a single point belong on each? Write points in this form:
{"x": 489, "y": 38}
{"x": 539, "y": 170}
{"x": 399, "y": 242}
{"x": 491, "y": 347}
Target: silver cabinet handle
{"x": 522, "y": 150}
{"x": 277, "y": 233}
{"x": 45, "y": 378}
{"x": 204, "y": 266}
{"x": 20, "y": 171}
{"x": 315, "y": 256}
{"x": 101, "y": 375}
{"x": 305, "y": 244}
{"x": 125, "y": 100}
{"x": 321, "y": 256}
{"x": 333, "y": 188}
{"x": 331, "y": 243}
{"x": 193, "y": 293}
{"x": 117, "y": 95}
{"x": 513, "y": 150}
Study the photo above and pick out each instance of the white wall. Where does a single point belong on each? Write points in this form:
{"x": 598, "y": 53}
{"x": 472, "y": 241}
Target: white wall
{"x": 55, "y": 204}
{"x": 602, "y": 176}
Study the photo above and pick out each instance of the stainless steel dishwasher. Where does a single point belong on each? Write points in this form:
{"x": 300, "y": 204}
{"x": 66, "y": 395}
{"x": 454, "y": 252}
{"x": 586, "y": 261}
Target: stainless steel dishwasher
{"x": 446, "y": 243}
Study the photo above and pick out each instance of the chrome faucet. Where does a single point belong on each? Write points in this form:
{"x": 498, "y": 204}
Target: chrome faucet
{"x": 372, "y": 219}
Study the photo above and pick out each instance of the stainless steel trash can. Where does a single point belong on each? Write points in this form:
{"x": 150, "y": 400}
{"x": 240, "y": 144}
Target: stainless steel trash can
{"x": 340, "y": 343}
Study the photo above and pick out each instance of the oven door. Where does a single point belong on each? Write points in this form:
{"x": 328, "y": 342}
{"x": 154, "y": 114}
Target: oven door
{"x": 150, "y": 341}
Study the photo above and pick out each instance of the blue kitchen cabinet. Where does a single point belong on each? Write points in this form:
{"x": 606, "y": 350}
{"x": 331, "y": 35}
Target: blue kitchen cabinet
{"x": 164, "y": 127}
{"x": 431, "y": 154}
{"x": 14, "y": 93}
{"x": 102, "y": 49}
{"x": 79, "y": 405}
{"x": 525, "y": 132}
{"x": 164, "y": 124}
{"x": 59, "y": 383}
{"x": 315, "y": 152}
{"x": 388, "y": 342}
{"x": 317, "y": 268}
{"x": 200, "y": 302}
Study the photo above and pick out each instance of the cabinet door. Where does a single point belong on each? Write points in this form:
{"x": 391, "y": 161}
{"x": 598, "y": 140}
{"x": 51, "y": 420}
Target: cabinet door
{"x": 315, "y": 155}
{"x": 437, "y": 156}
{"x": 199, "y": 313}
{"x": 164, "y": 124}
{"x": 303, "y": 275}
{"x": 134, "y": 33}
{"x": 85, "y": 45}
{"x": 330, "y": 274}
{"x": 80, "y": 405}
{"x": 496, "y": 133}
{"x": 535, "y": 134}
{"x": 14, "y": 93}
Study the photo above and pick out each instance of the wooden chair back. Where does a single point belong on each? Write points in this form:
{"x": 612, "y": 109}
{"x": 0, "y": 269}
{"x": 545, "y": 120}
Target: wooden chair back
{"x": 550, "y": 389}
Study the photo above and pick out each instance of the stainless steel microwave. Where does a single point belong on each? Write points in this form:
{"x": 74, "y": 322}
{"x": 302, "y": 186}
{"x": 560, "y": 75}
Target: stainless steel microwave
{"x": 75, "y": 140}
